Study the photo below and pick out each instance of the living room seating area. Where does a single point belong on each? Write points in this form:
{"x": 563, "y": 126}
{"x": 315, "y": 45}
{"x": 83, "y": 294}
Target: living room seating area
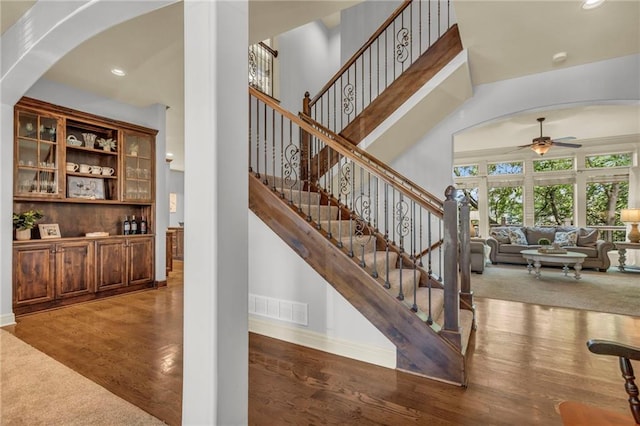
{"x": 507, "y": 242}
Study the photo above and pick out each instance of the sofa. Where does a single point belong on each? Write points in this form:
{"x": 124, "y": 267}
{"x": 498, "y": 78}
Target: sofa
{"x": 477, "y": 255}
{"x": 507, "y": 242}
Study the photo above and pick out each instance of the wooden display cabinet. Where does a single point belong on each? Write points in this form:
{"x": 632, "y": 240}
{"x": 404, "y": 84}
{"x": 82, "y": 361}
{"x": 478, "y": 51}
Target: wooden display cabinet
{"x": 85, "y": 173}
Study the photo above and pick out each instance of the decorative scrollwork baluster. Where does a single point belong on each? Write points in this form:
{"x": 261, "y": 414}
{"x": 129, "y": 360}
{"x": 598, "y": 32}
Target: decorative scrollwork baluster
{"x": 403, "y": 38}
{"x": 348, "y": 99}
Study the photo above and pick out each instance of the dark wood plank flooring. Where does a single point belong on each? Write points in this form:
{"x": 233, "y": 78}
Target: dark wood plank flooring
{"x": 525, "y": 359}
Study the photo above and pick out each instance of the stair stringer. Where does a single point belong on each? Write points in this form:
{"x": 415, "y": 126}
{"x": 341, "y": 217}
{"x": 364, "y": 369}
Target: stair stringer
{"x": 420, "y": 349}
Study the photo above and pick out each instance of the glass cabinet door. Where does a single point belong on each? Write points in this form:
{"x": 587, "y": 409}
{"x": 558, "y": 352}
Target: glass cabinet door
{"x": 138, "y": 167}
{"x": 37, "y": 155}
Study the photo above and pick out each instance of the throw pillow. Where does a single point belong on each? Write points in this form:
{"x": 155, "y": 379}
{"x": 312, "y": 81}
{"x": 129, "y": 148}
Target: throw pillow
{"x": 516, "y": 236}
{"x": 588, "y": 237}
{"x": 502, "y": 235}
{"x": 566, "y": 238}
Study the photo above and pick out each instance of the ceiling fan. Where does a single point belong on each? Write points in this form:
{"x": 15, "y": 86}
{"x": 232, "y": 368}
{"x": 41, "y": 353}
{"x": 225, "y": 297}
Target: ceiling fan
{"x": 542, "y": 144}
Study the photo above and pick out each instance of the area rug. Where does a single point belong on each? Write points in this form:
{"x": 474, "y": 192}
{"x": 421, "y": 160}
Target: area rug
{"x": 35, "y": 389}
{"x": 612, "y": 291}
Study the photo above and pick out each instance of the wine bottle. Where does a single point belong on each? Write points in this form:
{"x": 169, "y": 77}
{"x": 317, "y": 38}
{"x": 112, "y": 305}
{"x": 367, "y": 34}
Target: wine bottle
{"x": 143, "y": 225}
{"x": 126, "y": 226}
{"x": 134, "y": 225}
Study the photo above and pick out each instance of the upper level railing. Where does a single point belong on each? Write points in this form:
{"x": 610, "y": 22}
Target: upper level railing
{"x": 397, "y": 43}
{"x": 261, "y": 59}
{"x": 358, "y": 202}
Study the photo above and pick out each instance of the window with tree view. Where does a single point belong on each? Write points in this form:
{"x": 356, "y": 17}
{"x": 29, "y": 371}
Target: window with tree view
{"x": 505, "y": 202}
{"x": 553, "y": 204}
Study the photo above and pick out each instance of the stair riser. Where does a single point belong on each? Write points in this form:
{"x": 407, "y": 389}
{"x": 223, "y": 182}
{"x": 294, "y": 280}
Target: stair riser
{"x": 320, "y": 214}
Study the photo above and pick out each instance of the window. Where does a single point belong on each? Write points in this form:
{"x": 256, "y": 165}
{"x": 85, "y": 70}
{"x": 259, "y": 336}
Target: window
{"x": 552, "y": 165}
{"x": 610, "y": 160}
{"x": 464, "y": 171}
{"x": 510, "y": 168}
{"x": 505, "y": 203}
{"x": 604, "y": 202}
{"x": 553, "y": 204}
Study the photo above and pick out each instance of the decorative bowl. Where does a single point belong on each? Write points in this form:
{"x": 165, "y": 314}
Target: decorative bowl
{"x": 73, "y": 141}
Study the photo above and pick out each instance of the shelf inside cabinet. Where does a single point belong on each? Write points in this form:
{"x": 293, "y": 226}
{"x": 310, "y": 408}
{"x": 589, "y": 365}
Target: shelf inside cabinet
{"x": 91, "y": 150}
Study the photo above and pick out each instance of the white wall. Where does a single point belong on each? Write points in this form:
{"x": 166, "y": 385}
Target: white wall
{"x": 358, "y": 22}
{"x": 308, "y": 57}
{"x": 276, "y": 271}
{"x": 429, "y": 163}
{"x": 176, "y": 185}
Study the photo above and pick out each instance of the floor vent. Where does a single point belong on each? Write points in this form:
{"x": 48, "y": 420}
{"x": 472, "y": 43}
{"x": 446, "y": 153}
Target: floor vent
{"x": 283, "y": 310}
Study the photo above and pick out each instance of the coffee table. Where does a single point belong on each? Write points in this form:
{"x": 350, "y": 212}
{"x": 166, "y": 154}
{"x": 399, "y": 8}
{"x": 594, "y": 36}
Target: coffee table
{"x": 534, "y": 259}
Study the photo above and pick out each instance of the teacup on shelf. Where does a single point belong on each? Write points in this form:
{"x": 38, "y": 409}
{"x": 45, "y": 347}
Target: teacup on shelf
{"x": 96, "y": 170}
{"x": 107, "y": 171}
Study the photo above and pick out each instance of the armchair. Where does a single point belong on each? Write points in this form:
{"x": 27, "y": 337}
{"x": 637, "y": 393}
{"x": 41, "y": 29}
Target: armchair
{"x": 575, "y": 413}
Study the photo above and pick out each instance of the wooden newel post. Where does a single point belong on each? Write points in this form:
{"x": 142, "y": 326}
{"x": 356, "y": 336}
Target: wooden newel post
{"x": 451, "y": 327}
{"x": 465, "y": 251}
{"x": 305, "y": 140}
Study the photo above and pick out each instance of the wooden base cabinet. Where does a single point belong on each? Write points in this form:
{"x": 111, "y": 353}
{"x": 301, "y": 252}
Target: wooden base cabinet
{"x": 48, "y": 275}
{"x": 33, "y": 274}
{"x": 124, "y": 262}
{"x": 46, "y": 272}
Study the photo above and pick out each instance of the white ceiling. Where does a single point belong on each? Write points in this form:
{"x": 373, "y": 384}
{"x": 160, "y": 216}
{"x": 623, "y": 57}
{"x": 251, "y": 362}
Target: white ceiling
{"x": 505, "y": 39}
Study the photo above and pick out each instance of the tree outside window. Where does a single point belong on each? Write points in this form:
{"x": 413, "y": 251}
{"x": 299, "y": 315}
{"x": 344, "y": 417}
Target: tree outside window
{"x": 505, "y": 202}
{"x": 553, "y": 204}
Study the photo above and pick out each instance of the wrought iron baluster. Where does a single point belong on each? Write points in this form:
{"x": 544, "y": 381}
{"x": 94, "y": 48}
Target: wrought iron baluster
{"x": 266, "y": 165}
{"x": 414, "y": 308}
{"x": 387, "y": 284}
{"x": 257, "y": 138}
{"x": 273, "y": 148}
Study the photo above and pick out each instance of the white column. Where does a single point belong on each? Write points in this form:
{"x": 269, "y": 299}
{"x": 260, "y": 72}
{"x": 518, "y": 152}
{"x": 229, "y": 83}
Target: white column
{"x": 6, "y": 227}
{"x": 215, "y": 383}
{"x": 162, "y": 193}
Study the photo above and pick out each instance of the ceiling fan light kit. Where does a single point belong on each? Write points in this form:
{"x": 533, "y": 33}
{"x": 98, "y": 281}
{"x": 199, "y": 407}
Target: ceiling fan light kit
{"x": 542, "y": 144}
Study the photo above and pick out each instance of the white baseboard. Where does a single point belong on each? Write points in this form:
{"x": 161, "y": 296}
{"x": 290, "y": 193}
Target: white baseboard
{"x": 360, "y": 352}
{"x": 7, "y": 319}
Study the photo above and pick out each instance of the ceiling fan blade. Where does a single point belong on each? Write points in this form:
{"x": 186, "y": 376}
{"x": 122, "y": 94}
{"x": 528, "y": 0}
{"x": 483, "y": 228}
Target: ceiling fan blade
{"x": 566, "y": 138}
{"x": 567, "y": 145}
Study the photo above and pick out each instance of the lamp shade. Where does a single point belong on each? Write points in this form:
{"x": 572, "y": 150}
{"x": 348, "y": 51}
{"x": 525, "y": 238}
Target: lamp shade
{"x": 474, "y": 215}
{"x": 630, "y": 215}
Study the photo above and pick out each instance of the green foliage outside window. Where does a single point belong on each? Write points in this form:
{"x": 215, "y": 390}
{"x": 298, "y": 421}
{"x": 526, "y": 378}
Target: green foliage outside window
{"x": 464, "y": 171}
{"x": 509, "y": 168}
{"x": 553, "y": 204}
{"x": 505, "y": 203}
{"x": 610, "y": 160}
{"x": 553, "y": 165}
{"x": 604, "y": 202}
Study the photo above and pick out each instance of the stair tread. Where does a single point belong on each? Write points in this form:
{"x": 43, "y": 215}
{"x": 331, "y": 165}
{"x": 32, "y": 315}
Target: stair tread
{"x": 466, "y": 326}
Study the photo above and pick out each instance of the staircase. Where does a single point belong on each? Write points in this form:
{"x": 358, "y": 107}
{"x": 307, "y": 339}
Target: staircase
{"x": 375, "y": 236}
{"x": 388, "y": 246}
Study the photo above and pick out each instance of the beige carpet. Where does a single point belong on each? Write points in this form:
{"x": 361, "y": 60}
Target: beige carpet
{"x": 38, "y": 390}
{"x": 612, "y": 291}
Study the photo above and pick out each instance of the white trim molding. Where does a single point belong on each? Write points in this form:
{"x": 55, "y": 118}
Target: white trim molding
{"x": 366, "y": 353}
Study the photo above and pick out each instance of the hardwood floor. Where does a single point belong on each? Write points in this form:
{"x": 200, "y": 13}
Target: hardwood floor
{"x": 525, "y": 359}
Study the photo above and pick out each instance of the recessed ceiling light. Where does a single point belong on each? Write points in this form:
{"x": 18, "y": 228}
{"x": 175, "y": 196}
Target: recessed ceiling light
{"x": 119, "y": 72}
{"x": 559, "y": 57}
{"x": 591, "y": 4}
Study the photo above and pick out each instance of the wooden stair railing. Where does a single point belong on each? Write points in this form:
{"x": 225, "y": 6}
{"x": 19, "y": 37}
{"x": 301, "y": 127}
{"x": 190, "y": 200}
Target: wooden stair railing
{"x": 370, "y": 205}
{"x": 399, "y": 46}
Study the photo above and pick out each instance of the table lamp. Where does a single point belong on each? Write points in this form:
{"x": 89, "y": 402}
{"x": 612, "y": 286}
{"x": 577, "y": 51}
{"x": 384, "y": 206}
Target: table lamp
{"x": 631, "y": 216}
{"x": 474, "y": 216}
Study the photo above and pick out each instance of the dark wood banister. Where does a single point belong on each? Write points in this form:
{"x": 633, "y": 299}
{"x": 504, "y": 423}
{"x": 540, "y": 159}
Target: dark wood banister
{"x": 268, "y": 48}
{"x": 360, "y": 51}
{"x": 364, "y": 159}
{"x": 381, "y": 170}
